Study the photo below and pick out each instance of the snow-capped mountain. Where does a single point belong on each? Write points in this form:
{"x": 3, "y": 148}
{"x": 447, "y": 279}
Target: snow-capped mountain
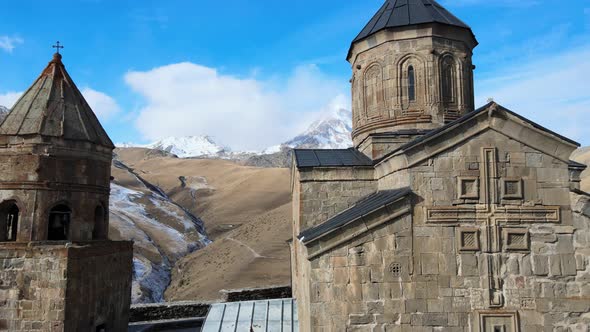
{"x": 188, "y": 146}
{"x": 3, "y": 112}
{"x": 331, "y": 131}
{"x": 184, "y": 147}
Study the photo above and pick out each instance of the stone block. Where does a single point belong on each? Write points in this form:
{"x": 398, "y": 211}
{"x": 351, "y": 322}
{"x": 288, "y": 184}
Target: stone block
{"x": 468, "y": 265}
{"x": 540, "y": 265}
{"x": 354, "y": 292}
{"x": 359, "y": 274}
{"x": 565, "y": 244}
{"x": 341, "y": 276}
{"x": 370, "y": 292}
{"x": 581, "y": 262}
{"x": 429, "y": 263}
{"x": 416, "y": 305}
{"x": 339, "y": 261}
{"x": 568, "y": 265}
{"x": 534, "y": 159}
{"x": 375, "y": 307}
{"x": 360, "y": 319}
{"x": 554, "y": 265}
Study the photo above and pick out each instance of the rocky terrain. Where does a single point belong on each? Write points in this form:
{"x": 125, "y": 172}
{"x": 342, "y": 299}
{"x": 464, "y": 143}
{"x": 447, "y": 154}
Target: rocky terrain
{"x": 245, "y": 211}
{"x": 162, "y": 230}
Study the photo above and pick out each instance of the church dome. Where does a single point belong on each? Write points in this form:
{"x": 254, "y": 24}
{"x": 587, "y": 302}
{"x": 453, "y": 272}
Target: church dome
{"x": 401, "y": 13}
{"x": 54, "y": 107}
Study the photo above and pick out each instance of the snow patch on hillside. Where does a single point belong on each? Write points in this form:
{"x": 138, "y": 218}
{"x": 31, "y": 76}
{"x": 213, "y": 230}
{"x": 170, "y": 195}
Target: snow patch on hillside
{"x": 157, "y": 244}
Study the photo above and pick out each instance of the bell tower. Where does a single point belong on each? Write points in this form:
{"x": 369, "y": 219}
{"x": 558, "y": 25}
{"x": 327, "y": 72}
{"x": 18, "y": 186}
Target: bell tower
{"x": 59, "y": 270}
{"x": 412, "y": 72}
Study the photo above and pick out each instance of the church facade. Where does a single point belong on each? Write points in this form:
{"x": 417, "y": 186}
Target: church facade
{"x": 58, "y": 270}
{"x": 442, "y": 217}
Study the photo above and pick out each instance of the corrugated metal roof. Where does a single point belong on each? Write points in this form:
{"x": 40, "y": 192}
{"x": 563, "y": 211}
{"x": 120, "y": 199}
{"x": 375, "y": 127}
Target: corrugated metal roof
{"x": 398, "y": 13}
{"x": 363, "y": 207}
{"x": 257, "y": 316}
{"x": 53, "y": 106}
{"x": 330, "y": 158}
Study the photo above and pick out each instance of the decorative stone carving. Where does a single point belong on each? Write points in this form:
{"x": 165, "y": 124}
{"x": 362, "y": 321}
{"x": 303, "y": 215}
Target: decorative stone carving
{"x": 489, "y": 218}
{"x": 468, "y": 239}
{"x": 468, "y": 187}
{"x": 512, "y": 188}
{"x": 515, "y": 239}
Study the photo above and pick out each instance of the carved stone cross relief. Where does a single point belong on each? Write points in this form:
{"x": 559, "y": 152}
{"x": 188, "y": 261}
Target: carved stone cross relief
{"x": 491, "y": 219}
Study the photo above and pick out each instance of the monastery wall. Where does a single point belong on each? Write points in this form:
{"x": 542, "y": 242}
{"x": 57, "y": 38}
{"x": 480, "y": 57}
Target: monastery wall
{"x": 48, "y": 286}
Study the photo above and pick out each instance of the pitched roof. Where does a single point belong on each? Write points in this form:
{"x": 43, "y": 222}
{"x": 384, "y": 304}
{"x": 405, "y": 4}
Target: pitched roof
{"x": 268, "y": 315}
{"x": 575, "y": 164}
{"x": 53, "y": 106}
{"x": 398, "y": 13}
{"x": 491, "y": 106}
{"x": 330, "y": 158}
{"x": 363, "y": 207}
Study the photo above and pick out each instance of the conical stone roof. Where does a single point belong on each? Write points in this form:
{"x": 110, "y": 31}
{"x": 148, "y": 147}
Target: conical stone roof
{"x": 54, "y": 107}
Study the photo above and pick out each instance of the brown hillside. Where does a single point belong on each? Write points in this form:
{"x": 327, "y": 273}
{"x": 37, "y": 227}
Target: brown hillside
{"x": 246, "y": 211}
{"x": 583, "y": 156}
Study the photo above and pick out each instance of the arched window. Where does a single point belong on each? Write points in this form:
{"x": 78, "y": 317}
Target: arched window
{"x": 411, "y": 84}
{"x": 448, "y": 80}
{"x": 9, "y": 214}
{"x": 374, "y": 94}
{"x": 99, "y": 224}
{"x": 59, "y": 223}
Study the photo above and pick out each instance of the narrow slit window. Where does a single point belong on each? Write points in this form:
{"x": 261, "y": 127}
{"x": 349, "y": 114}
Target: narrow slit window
{"x": 411, "y": 84}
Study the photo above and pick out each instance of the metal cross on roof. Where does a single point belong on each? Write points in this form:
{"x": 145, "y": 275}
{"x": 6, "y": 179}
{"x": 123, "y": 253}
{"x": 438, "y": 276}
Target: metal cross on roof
{"x": 57, "y": 46}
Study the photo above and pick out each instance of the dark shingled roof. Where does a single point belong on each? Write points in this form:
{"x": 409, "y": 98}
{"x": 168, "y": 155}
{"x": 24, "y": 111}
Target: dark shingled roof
{"x": 361, "y": 208}
{"x": 576, "y": 164}
{"x": 53, "y": 106}
{"x": 330, "y": 158}
{"x": 398, "y": 13}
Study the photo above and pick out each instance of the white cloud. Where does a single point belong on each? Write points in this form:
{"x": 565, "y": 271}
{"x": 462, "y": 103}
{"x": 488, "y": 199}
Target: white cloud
{"x": 551, "y": 91}
{"x": 9, "y": 98}
{"x": 104, "y": 106}
{"x": 9, "y": 43}
{"x": 188, "y": 99}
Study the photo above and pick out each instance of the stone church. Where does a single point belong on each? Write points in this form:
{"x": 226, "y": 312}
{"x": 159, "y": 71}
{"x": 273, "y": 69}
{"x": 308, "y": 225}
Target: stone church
{"x": 442, "y": 217}
{"x": 58, "y": 270}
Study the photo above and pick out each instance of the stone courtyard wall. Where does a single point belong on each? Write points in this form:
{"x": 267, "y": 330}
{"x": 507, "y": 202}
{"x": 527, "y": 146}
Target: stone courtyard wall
{"x": 33, "y": 289}
{"x": 65, "y": 287}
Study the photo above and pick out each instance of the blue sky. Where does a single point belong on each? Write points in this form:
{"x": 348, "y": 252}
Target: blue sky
{"x": 254, "y": 73}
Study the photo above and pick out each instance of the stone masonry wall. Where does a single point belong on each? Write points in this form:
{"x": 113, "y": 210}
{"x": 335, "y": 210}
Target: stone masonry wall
{"x": 317, "y": 196}
{"x": 361, "y": 286}
{"x": 99, "y": 286}
{"x": 49, "y": 287}
{"x": 33, "y": 288}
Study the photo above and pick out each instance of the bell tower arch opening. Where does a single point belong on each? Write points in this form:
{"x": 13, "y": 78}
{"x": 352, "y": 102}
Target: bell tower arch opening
{"x": 9, "y": 217}
{"x": 59, "y": 223}
{"x": 99, "y": 231}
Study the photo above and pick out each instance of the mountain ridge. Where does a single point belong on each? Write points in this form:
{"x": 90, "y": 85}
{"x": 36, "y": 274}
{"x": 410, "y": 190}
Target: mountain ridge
{"x": 330, "y": 131}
